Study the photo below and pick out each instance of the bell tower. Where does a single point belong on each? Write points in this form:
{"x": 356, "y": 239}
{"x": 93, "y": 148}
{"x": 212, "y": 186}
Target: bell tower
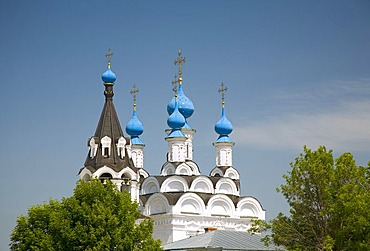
{"x": 109, "y": 155}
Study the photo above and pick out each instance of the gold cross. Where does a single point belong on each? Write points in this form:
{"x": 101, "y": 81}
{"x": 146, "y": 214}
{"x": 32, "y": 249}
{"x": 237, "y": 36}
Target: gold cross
{"x": 109, "y": 55}
{"x": 133, "y": 92}
{"x": 222, "y": 90}
{"x": 179, "y": 61}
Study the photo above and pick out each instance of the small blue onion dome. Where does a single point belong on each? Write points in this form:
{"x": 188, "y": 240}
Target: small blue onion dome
{"x": 134, "y": 127}
{"x": 223, "y": 126}
{"x": 176, "y": 119}
{"x": 108, "y": 76}
{"x": 186, "y": 106}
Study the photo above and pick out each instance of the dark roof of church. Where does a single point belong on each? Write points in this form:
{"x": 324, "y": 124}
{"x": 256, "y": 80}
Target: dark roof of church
{"x": 221, "y": 240}
{"x": 110, "y": 126}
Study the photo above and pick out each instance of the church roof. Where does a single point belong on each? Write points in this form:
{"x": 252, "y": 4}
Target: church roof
{"x": 221, "y": 240}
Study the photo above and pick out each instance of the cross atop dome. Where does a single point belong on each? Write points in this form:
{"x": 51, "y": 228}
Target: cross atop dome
{"x": 133, "y": 92}
{"x": 223, "y": 127}
{"x": 134, "y": 127}
{"x": 109, "y": 55}
{"x": 222, "y": 90}
{"x": 179, "y": 61}
{"x": 186, "y": 106}
{"x": 108, "y": 76}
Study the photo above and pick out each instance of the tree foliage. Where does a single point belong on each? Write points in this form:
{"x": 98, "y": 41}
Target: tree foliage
{"x": 329, "y": 203}
{"x": 96, "y": 217}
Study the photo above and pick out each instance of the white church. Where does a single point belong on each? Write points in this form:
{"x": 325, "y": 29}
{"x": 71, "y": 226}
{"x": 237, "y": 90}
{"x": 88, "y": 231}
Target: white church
{"x": 183, "y": 202}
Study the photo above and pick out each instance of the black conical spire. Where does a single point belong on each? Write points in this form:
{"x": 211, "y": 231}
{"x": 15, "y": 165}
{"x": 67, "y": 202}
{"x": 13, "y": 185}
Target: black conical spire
{"x": 108, "y": 145}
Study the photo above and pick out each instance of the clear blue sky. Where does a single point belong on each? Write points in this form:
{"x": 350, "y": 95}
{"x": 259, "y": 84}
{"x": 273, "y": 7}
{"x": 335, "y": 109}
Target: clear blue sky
{"x": 298, "y": 73}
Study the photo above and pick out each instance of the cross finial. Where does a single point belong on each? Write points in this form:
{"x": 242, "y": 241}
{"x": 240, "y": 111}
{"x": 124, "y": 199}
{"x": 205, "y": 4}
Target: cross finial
{"x": 109, "y": 55}
{"x": 133, "y": 92}
{"x": 179, "y": 61}
{"x": 222, "y": 90}
{"x": 175, "y": 83}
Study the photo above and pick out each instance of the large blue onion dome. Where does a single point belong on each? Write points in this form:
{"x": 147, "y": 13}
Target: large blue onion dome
{"x": 186, "y": 106}
{"x": 108, "y": 76}
{"x": 176, "y": 120}
{"x": 223, "y": 127}
{"x": 134, "y": 127}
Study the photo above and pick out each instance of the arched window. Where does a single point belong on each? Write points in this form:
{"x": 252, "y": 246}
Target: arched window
{"x": 105, "y": 176}
{"x": 121, "y": 147}
{"x": 106, "y": 146}
{"x": 126, "y": 182}
{"x": 93, "y": 147}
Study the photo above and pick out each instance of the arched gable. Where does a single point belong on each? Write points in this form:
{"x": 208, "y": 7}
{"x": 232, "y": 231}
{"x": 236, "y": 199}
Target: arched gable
{"x": 143, "y": 174}
{"x": 168, "y": 169}
{"x": 174, "y": 184}
{"x": 249, "y": 207}
{"x": 226, "y": 186}
{"x": 216, "y": 172}
{"x": 190, "y": 203}
{"x": 194, "y": 167}
{"x": 150, "y": 185}
{"x": 184, "y": 169}
{"x": 156, "y": 204}
{"x": 128, "y": 173}
{"x": 221, "y": 205}
{"x": 202, "y": 184}
{"x": 106, "y": 169}
{"x": 232, "y": 173}
{"x": 85, "y": 174}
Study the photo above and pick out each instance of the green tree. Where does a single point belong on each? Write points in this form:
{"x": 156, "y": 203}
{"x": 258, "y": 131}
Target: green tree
{"x": 329, "y": 203}
{"x": 96, "y": 217}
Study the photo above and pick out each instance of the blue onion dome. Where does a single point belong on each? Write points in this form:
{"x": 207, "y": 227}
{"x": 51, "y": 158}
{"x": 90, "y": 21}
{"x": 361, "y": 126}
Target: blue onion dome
{"x": 186, "y": 106}
{"x": 223, "y": 126}
{"x": 108, "y": 76}
{"x": 134, "y": 127}
{"x": 176, "y": 120}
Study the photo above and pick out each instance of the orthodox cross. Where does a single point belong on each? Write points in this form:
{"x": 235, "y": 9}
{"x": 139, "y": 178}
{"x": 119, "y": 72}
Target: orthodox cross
{"x": 222, "y": 90}
{"x": 109, "y": 55}
{"x": 175, "y": 83}
{"x": 133, "y": 92}
{"x": 179, "y": 61}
